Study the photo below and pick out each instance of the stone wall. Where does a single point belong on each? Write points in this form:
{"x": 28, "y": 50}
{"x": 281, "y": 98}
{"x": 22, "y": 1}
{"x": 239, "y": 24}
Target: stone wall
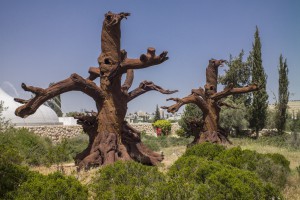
{"x": 58, "y": 132}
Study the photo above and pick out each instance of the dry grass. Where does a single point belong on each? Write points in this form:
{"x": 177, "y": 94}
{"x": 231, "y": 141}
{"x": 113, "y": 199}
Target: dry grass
{"x": 292, "y": 188}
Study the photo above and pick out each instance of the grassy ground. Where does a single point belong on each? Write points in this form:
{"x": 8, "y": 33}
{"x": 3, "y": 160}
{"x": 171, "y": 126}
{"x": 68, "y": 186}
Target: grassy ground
{"x": 292, "y": 189}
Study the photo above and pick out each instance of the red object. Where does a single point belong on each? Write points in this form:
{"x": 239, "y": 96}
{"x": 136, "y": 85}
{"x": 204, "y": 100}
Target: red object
{"x": 158, "y": 131}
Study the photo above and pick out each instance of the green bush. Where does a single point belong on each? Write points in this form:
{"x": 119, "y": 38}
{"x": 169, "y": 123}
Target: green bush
{"x": 272, "y": 168}
{"x": 67, "y": 149}
{"x": 126, "y": 180}
{"x": 206, "y": 150}
{"x": 180, "y": 132}
{"x": 214, "y": 180}
{"x": 165, "y": 126}
{"x": 11, "y": 173}
{"x": 33, "y": 148}
{"x": 51, "y": 187}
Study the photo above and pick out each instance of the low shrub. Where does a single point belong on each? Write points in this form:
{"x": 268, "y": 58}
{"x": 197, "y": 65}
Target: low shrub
{"x": 53, "y": 186}
{"x": 273, "y": 168}
{"x": 205, "y": 150}
{"x": 33, "y": 148}
{"x": 11, "y": 173}
{"x": 180, "y": 132}
{"x": 214, "y": 180}
{"x": 127, "y": 180}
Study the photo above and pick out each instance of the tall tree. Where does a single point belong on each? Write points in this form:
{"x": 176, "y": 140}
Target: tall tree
{"x": 156, "y": 114}
{"x": 210, "y": 101}
{"x": 259, "y": 105}
{"x": 238, "y": 74}
{"x": 283, "y": 95}
{"x": 111, "y": 138}
{"x": 191, "y": 121}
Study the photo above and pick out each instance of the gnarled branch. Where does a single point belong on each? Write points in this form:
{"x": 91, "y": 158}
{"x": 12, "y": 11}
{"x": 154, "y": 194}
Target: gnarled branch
{"x": 192, "y": 98}
{"x": 146, "y": 86}
{"x": 145, "y": 60}
{"x": 230, "y": 90}
{"x": 128, "y": 81}
{"x": 73, "y": 83}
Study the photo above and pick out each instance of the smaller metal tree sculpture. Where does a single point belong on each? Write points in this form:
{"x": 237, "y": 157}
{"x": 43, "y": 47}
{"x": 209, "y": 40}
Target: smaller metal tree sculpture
{"x": 210, "y": 102}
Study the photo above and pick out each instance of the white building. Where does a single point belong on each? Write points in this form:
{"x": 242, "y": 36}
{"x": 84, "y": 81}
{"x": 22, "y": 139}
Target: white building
{"x": 43, "y": 116}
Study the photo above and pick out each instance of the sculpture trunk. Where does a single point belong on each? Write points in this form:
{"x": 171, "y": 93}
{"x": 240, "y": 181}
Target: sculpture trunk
{"x": 110, "y": 137}
{"x": 210, "y": 102}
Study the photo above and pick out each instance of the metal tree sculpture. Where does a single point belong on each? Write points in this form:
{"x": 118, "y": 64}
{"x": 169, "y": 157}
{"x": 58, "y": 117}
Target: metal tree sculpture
{"x": 110, "y": 137}
{"x": 210, "y": 102}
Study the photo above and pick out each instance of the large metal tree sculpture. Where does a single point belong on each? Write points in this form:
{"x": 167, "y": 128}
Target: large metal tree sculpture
{"x": 110, "y": 137}
{"x": 210, "y": 102}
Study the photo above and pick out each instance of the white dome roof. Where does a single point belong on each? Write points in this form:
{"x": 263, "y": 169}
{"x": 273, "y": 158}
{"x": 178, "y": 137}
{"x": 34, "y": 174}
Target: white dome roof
{"x": 43, "y": 116}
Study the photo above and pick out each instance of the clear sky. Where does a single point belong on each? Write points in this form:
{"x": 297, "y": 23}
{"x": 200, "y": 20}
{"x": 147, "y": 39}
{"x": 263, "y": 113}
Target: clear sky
{"x": 47, "y": 41}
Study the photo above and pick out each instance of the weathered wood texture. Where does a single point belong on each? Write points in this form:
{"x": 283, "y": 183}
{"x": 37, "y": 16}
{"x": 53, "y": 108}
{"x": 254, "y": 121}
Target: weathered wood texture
{"x": 110, "y": 137}
{"x": 210, "y": 102}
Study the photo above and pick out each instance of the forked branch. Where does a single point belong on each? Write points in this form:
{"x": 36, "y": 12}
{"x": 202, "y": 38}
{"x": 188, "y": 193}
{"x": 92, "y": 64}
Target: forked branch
{"x": 73, "y": 83}
{"x": 146, "y": 86}
{"x": 192, "y": 98}
{"x": 145, "y": 60}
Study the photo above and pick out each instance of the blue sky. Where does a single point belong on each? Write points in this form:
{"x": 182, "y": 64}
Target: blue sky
{"x": 47, "y": 41}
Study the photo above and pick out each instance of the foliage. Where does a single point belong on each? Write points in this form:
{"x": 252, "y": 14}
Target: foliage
{"x": 36, "y": 150}
{"x": 12, "y": 174}
{"x": 259, "y": 105}
{"x": 158, "y": 143}
{"x": 67, "y": 149}
{"x": 32, "y": 148}
{"x": 127, "y": 180}
{"x": 73, "y": 114}
{"x": 272, "y": 168}
{"x": 191, "y": 120}
{"x": 4, "y": 123}
{"x": 234, "y": 118}
{"x": 165, "y": 126}
{"x": 238, "y": 74}
{"x": 53, "y": 186}
{"x": 156, "y": 115}
{"x": 205, "y": 150}
{"x": 180, "y": 132}
{"x": 283, "y": 95}
{"x": 218, "y": 181}
{"x": 271, "y": 119}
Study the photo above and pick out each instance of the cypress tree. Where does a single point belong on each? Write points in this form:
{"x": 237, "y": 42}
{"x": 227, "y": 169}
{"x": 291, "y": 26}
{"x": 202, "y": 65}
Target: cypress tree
{"x": 283, "y": 95}
{"x": 157, "y": 114}
{"x": 259, "y": 106}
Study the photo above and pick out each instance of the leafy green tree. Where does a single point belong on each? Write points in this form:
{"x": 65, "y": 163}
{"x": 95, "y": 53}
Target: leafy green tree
{"x": 234, "y": 118}
{"x": 157, "y": 115}
{"x": 191, "y": 120}
{"x": 238, "y": 74}
{"x": 283, "y": 95}
{"x": 259, "y": 105}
